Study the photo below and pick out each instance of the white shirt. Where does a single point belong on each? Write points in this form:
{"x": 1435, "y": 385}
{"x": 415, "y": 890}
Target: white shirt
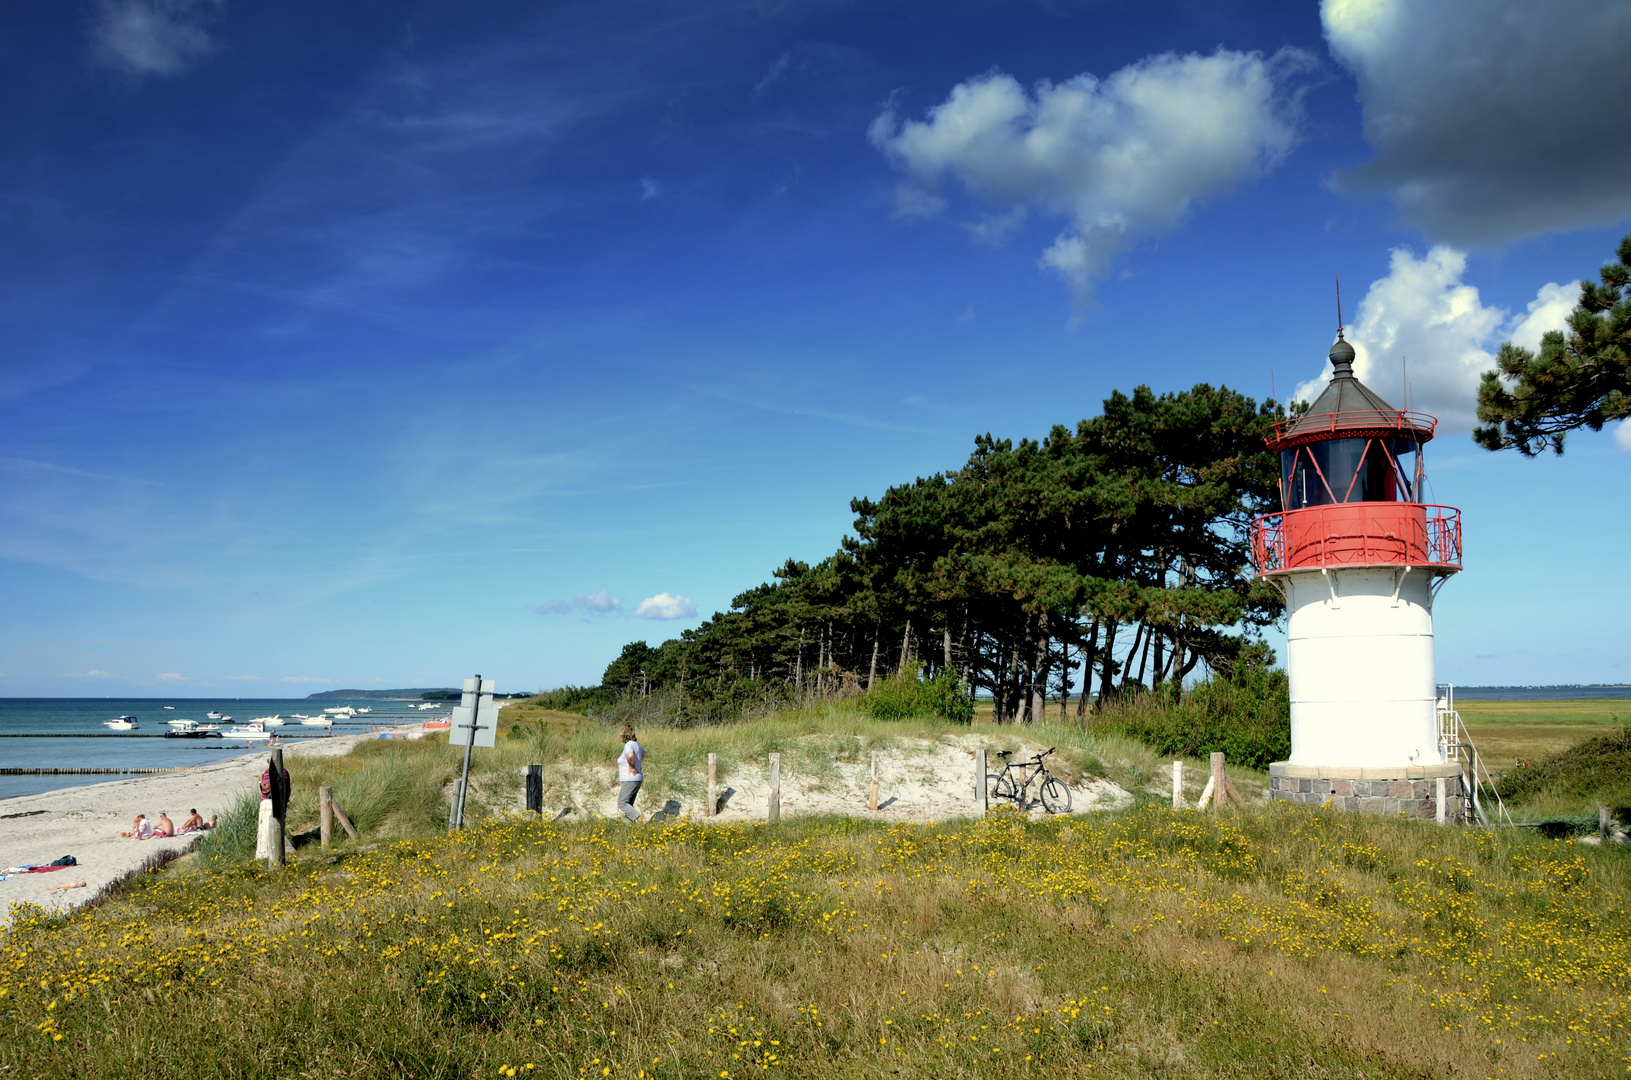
{"x": 625, "y": 774}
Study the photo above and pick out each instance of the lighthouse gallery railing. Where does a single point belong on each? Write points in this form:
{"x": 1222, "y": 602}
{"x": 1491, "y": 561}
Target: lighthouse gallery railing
{"x": 1357, "y": 534}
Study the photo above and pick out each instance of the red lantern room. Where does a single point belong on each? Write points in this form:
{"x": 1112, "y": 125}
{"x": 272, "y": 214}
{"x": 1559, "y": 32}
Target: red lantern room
{"x": 1350, "y": 486}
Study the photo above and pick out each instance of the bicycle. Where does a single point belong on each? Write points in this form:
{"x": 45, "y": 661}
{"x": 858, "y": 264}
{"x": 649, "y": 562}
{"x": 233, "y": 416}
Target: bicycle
{"x": 1015, "y": 780}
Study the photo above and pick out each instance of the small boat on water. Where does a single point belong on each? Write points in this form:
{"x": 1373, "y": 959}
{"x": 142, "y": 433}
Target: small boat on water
{"x": 246, "y": 731}
{"x": 316, "y": 721}
{"x": 217, "y": 716}
{"x": 269, "y": 721}
{"x": 364, "y": 710}
{"x": 197, "y": 731}
{"x": 343, "y": 710}
{"x": 122, "y": 723}
{"x": 426, "y": 705}
{"x": 181, "y": 723}
{"x": 172, "y": 708}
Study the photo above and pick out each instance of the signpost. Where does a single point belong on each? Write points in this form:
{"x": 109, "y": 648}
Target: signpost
{"x": 475, "y": 723}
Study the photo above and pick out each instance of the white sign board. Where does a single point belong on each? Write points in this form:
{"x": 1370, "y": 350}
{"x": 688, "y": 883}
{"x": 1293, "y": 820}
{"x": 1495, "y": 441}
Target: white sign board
{"x": 476, "y": 703}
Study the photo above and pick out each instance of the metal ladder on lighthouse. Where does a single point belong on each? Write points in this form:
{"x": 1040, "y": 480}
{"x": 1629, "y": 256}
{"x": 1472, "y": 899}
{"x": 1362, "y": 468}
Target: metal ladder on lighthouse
{"x": 1456, "y": 745}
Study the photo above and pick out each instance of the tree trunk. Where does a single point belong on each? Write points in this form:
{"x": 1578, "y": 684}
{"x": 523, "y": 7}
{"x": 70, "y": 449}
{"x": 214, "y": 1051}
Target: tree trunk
{"x": 798, "y": 662}
{"x": 905, "y": 645}
{"x": 1144, "y": 658}
{"x": 1039, "y": 671}
{"x": 945, "y": 644}
{"x": 1107, "y": 660}
{"x": 1088, "y": 653}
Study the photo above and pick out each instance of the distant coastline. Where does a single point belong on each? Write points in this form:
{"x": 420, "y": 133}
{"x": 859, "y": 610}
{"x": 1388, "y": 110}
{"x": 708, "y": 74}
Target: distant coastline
{"x": 1552, "y": 692}
{"x": 410, "y": 694}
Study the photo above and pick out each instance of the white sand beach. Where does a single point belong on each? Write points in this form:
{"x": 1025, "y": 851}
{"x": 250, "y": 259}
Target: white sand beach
{"x": 85, "y": 822}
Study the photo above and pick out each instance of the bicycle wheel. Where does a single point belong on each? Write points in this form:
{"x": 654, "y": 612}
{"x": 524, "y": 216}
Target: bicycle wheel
{"x": 1055, "y": 796}
{"x": 998, "y": 786}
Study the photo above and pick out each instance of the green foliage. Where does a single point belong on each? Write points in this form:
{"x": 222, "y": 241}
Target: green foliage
{"x": 1579, "y": 379}
{"x": 578, "y": 699}
{"x": 907, "y": 694}
{"x": 1246, "y": 716}
{"x": 1594, "y": 772}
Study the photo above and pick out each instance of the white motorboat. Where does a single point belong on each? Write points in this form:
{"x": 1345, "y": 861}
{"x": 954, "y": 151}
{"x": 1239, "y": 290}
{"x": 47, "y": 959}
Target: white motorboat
{"x": 316, "y": 721}
{"x": 246, "y": 731}
{"x": 217, "y": 716}
{"x": 181, "y": 723}
{"x": 299, "y": 716}
{"x": 365, "y": 709}
{"x": 426, "y": 705}
{"x": 343, "y": 710}
{"x": 121, "y": 723}
{"x": 269, "y": 721}
{"x": 172, "y": 708}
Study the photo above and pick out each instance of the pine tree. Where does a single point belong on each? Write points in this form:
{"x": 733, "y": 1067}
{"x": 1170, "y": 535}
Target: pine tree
{"x": 1579, "y": 379}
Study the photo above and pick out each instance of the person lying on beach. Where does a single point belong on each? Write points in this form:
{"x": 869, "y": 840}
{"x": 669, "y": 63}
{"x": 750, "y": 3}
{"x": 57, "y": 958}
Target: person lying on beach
{"x": 194, "y": 823}
{"x": 165, "y": 827}
{"x": 137, "y": 827}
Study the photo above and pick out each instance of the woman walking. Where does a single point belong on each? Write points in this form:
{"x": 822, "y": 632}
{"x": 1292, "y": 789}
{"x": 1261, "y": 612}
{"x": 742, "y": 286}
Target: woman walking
{"x": 629, "y": 774}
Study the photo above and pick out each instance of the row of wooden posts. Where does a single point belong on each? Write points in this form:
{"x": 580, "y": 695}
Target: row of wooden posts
{"x": 1219, "y": 790}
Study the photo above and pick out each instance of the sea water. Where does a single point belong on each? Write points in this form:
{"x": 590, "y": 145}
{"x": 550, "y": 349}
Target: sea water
{"x": 58, "y": 720}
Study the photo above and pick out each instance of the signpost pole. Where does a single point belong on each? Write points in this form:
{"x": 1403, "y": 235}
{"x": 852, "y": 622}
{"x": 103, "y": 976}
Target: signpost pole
{"x": 464, "y": 778}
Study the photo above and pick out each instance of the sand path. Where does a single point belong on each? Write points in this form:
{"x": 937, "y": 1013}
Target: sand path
{"x": 85, "y": 822}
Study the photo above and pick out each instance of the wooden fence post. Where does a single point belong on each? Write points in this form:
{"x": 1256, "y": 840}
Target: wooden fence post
{"x": 872, "y": 801}
{"x": 339, "y": 815}
{"x": 1605, "y": 822}
{"x": 1219, "y": 795}
{"x": 713, "y": 787}
{"x": 535, "y": 789}
{"x": 774, "y": 812}
{"x": 325, "y": 815}
{"x": 453, "y": 808}
{"x": 1439, "y": 800}
{"x": 1177, "y": 785}
{"x": 982, "y": 797}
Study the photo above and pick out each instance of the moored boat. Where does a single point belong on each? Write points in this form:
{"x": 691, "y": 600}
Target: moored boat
{"x": 269, "y": 721}
{"x": 122, "y": 723}
{"x": 316, "y": 721}
{"x": 246, "y": 731}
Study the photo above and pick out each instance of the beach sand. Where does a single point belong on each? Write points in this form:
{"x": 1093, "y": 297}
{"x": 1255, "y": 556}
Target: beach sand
{"x": 85, "y": 822}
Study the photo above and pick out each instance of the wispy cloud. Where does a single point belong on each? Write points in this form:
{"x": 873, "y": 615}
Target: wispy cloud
{"x": 173, "y": 676}
{"x": 598, "y": 603}
{"x": 306, "y": 679}
{"x": 665, "y": 606}
{"x": 243, "y": 678}
{"x": 95, "y": 673}
{"x": 153, "y": 37}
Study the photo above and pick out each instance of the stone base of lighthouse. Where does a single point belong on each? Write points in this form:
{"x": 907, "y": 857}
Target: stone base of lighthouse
{"x": 1412, "y": 791}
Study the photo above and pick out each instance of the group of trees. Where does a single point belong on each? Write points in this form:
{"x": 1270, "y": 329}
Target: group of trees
{"x": 1113, "y": 554}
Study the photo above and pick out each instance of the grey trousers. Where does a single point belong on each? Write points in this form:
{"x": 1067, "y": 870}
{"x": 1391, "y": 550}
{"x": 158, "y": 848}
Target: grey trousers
{"x": 625, "y": 798}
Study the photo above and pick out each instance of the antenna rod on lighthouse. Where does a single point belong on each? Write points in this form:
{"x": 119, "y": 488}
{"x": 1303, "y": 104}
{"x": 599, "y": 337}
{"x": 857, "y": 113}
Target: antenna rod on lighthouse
{"x": 1339, "y": 305}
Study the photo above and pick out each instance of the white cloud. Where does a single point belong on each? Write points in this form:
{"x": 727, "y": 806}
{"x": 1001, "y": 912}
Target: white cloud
{"x": 95, "y": 673}
{"x": 173, "y": 676}
{"x": 243, "y": 678}
{"x": 1491, "y": 119}
{"x": 1120, "y": 157}
{"x": 153, "y": 37}
{"x": 665, "y": 606}
{"x": 306, "y": 679}
{"x": 1622, "y": 435}
{"x": 1423, "y": 313}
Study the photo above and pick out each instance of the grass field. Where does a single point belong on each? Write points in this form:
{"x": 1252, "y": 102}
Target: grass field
{"x": 1506, "y": 731}
{"x": 1274, "y": 942}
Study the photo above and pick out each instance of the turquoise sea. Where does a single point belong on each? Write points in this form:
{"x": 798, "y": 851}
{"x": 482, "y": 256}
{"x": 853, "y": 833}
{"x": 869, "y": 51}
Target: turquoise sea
{"x": 68, "y": 733}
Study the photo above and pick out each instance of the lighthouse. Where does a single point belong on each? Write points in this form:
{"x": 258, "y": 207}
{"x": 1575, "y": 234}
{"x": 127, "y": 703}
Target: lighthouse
{"x": 1360, "y": 557}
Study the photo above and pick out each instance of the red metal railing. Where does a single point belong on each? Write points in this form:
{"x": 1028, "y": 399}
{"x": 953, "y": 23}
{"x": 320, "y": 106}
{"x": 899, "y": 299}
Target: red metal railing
{"x": 1352, "y": 423}
{"x": 1357, "y": 534}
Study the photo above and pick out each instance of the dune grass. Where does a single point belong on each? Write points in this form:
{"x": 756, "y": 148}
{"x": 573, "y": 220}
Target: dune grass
{"x": 1275, "y": 941}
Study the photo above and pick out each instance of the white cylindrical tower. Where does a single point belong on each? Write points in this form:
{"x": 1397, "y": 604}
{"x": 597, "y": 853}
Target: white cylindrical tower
{"x": 1359, "y": 559}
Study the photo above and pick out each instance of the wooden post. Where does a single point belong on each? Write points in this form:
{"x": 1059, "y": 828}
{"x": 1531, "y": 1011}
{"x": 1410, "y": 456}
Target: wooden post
{"x": 345, "y": 822}
{"x": 535, "y": 789}
{"x": 713, "y": 787}
{"x": 280, "y": 810}
{"x": 982, "y": 797}
{"x": 325, "y": 815}
{"x": 1229, "y": 786}
{"x": 1220, "y": 794}
{"x": 453, "y": 809}
{"x": 774, "y": 813}
{"x": 1605, "y": 823}
{"x": 1177, "y": 785}
{"x": 872, "y": 801}
{"x": 1439, "y": 801}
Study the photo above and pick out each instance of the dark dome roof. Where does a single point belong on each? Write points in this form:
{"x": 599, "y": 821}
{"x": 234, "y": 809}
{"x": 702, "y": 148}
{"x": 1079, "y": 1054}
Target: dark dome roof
{"x": 1348, "y": 407}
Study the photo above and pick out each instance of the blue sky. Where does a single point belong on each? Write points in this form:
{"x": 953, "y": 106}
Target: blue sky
{"x": 378, "y": 344}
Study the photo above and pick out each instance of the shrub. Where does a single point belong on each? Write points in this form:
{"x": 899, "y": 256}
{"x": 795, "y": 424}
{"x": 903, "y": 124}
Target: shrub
{"x": 578, "y": 699}
{"x": 1247, "y": 717}
{"x": 906, "y": 694}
